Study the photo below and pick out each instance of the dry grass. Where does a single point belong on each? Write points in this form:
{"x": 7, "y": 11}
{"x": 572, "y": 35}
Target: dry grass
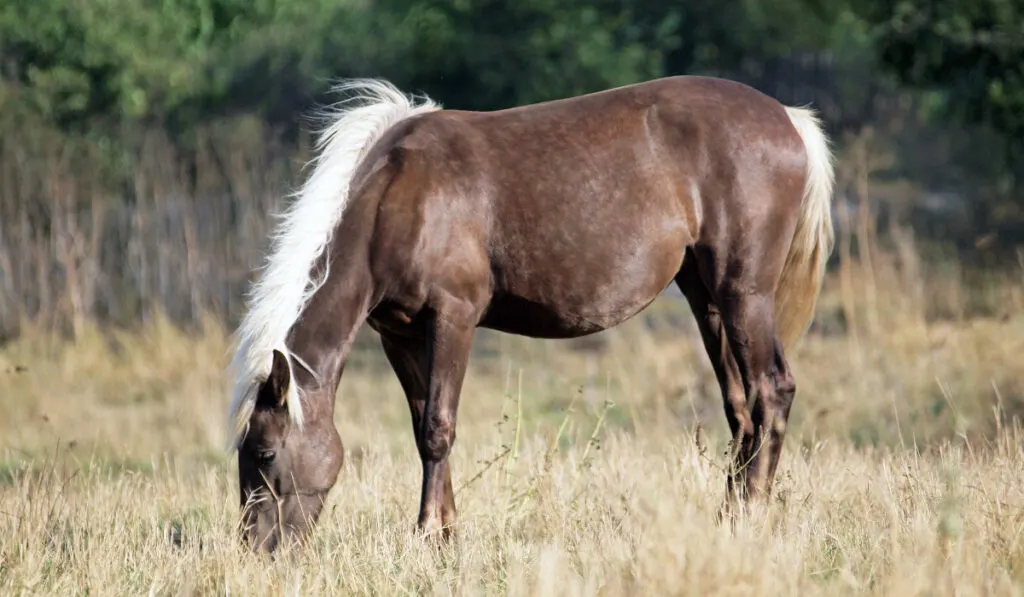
{"x": 901, "y": 475}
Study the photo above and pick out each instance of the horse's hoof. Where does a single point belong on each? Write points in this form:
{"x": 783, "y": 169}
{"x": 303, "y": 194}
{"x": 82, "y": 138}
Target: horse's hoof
{"x": 729, "y": 511}
{"x": 436, "y": 534}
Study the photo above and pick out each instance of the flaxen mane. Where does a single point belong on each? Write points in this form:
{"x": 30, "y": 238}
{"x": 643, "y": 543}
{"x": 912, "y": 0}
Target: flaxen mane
{"x": 286, "y": 284}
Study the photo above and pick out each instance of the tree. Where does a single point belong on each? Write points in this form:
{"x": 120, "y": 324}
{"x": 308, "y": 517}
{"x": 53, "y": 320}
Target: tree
{"x": 973, "y": 50}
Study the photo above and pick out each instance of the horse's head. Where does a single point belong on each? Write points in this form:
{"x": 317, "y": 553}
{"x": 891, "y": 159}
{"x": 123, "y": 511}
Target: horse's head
{"x": 285, "y": 471}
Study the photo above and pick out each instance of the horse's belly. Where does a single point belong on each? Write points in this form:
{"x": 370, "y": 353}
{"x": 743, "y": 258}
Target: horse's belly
{"x": 522, "y": 316}
{"x": 582, "y": 297}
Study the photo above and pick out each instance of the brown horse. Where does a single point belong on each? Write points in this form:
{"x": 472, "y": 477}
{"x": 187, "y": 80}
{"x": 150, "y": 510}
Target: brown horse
{"x": 552, "y": 220}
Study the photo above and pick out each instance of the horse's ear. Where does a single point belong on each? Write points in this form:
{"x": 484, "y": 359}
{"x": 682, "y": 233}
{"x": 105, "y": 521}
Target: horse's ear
{"x": 274, "y": 390}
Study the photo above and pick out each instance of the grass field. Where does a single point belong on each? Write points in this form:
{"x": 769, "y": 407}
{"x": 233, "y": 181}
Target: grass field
{"x": 578, "y": 472}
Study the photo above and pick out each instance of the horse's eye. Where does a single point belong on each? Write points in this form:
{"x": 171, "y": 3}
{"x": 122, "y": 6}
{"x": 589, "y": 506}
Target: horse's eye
{"x": 265, "y": 456}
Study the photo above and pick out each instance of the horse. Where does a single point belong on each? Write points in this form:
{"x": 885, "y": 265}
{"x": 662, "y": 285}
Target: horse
{"x": 550, "y": 220}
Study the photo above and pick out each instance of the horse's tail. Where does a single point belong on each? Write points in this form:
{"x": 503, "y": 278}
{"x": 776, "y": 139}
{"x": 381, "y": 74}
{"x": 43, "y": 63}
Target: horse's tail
{"x": 813, "y": 238}
{"x": 351, "y": 128}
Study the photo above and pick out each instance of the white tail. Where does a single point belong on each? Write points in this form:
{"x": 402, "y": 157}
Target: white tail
{"x": 813, "y": 240}
{"x": 286, "y": 284}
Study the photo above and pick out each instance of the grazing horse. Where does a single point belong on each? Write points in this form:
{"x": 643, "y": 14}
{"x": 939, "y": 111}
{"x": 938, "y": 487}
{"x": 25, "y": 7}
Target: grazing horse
{"x": 552, "y": 220}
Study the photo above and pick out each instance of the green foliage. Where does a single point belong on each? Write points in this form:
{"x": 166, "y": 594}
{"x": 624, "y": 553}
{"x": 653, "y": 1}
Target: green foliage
{"x": 135, "y": 116}
{"x": 105, "y": 70}
{"x": 115, "y": 60}
{"x": 183, "y": 61}
{"x": 484, "y": 54}
{"x": 971, "y": 49}
{"x": 79, "y": 63}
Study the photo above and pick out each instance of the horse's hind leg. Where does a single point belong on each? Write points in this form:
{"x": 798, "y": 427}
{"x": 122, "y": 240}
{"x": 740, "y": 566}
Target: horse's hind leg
{"x": 712, "y": 331}
{"x": 785, "y": 391}
{"x": 748, "y": 319}
{"x": 745, "y": 320}
{"x": 410, "y": 360}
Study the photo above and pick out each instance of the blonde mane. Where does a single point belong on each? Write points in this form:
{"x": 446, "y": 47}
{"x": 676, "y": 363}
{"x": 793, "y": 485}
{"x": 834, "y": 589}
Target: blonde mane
{"x": 286, "y": 283}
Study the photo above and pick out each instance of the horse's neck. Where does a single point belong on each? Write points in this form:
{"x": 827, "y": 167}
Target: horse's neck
{"x": 322, "y": 338}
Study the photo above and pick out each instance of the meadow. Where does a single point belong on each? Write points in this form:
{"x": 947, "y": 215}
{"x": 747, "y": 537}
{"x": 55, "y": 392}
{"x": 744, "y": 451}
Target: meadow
{"x": 587, "y": 467}
{"x": 144, "y": 145}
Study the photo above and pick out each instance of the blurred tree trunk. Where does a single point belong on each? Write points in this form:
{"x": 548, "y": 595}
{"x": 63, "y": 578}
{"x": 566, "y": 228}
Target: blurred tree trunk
{"x": 866, "y": 239}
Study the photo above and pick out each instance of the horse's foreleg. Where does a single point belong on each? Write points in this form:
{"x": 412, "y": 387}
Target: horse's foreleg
{"x": 449, "y": 343}
{"x": 410, "y": 360}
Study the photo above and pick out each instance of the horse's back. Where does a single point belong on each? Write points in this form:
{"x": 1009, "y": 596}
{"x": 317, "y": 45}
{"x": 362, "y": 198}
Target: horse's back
{"x": 617, "y": 146}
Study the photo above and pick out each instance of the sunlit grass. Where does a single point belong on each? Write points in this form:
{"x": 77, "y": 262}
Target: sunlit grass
{"x": 578, "y": 471}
